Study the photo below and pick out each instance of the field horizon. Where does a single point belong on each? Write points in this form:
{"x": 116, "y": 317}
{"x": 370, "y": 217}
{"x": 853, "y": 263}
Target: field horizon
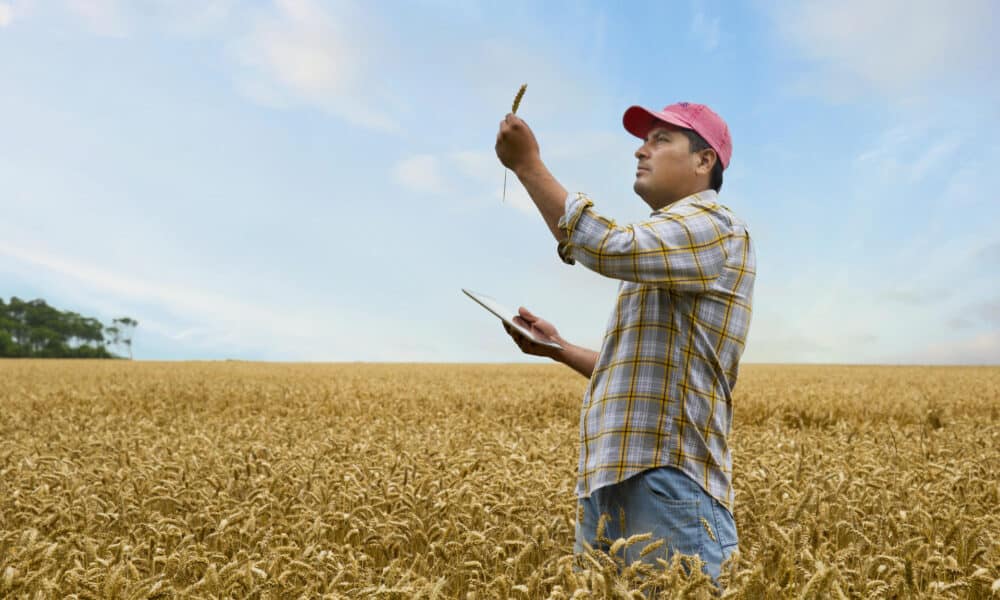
{"x": 743, "y": 365}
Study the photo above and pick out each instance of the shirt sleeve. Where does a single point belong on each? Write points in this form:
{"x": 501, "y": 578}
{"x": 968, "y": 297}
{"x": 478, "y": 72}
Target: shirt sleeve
{"x": 683, "y": 249}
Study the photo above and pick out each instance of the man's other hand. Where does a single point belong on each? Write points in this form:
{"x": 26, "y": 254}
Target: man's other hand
{"x": 539, "y": 327}
{"x": 516, "y": 144}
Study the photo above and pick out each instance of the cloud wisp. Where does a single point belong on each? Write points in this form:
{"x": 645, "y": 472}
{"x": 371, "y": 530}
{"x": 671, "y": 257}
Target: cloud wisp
{"x": 215, "y": 320}
{"x": 103, "y": 17}
{"x": 6, "y": 14}
{"x": 302, "y": 54}
{"x": 705, "y": 28}
{"x": 894, "y": 47}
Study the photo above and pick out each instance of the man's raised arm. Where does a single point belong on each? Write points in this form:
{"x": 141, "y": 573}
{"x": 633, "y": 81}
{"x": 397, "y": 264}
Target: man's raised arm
{"x": 518, "y": 150}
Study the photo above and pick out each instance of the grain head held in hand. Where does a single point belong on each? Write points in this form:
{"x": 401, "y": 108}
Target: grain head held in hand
{"x": 513, "y": 110}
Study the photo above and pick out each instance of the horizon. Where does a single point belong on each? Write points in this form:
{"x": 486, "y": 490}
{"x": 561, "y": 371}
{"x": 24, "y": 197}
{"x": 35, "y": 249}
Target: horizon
{"x": 539, "y": 363}
{"x": 309, "y": 181}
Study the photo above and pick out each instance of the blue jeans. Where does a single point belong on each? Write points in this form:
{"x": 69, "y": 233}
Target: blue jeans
{"x": 670, "y": 505}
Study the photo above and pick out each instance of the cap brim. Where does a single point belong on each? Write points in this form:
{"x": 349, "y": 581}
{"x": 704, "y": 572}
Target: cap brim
{"x": 639, "y": 120}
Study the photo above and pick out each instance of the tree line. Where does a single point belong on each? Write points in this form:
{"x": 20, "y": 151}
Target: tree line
{"x": 33, "y": 329}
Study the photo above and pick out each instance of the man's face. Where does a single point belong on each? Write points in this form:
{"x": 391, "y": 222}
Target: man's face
{"x": 667, "y": 169}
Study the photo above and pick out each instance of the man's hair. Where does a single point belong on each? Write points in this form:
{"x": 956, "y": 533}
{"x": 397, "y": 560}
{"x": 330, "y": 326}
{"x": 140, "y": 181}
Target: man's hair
{"x": 698, "y": 144}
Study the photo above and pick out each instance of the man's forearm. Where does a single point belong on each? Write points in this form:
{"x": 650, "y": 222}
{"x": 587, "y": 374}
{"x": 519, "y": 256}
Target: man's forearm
{"x": 547, "y": 193}
{"x": 579, "y": 359}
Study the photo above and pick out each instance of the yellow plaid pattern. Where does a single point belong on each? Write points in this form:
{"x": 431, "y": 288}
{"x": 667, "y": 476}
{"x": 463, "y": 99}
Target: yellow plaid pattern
{"x": 661, "y": 391}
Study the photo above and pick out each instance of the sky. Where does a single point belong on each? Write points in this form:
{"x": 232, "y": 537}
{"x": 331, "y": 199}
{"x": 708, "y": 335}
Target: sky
{"x": 308, "y": 180}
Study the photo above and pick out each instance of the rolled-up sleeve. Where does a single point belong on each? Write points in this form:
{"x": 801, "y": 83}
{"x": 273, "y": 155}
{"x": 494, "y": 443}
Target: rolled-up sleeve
{"x": 683, "y": 249}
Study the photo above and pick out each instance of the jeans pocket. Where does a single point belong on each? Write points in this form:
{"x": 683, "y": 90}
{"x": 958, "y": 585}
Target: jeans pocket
{"x": 725, "y": 527}
{"x": 671, "y": 485}
{"x": 672, "y": 511}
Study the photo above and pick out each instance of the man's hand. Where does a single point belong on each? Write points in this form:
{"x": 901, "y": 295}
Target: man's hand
{"x": 538, "y": 327}
{"x": 517, "y": 149}
{"x": 579, "y": 359}
{"x": 516, "y": 144}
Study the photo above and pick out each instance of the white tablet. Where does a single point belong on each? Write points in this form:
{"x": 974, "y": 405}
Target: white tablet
{"x": 507, "y": 316}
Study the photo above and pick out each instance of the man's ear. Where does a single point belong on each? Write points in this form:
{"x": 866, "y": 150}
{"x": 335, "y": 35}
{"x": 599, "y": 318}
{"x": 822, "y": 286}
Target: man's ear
{"x": 706, "y": 160}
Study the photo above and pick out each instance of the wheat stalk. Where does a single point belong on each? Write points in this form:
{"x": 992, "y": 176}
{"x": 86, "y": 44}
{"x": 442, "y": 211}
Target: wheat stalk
{"x": 513, "y": 110}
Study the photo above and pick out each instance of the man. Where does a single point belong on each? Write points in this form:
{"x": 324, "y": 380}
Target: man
{"x": 656, "y": 416}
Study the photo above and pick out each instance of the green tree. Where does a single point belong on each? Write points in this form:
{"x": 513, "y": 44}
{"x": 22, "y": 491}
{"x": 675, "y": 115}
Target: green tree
{"x": 127, "y": 326}
{"x": 36, "y": 329}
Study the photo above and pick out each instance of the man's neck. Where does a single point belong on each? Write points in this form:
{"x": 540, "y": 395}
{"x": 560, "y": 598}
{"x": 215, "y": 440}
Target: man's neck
{"x": 661, "y": 204}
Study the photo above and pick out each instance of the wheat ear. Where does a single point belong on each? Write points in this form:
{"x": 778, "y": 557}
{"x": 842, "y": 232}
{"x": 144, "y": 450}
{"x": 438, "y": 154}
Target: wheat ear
{"x": 517, "y": 98}
{"x": 513, "y": 110}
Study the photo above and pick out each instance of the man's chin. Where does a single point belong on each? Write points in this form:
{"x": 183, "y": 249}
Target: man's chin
{"x": 641, "y": 189}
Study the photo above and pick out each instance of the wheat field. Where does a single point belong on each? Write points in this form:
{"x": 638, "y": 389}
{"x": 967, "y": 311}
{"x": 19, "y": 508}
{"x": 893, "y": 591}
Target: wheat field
{"x": 247, "y": 480}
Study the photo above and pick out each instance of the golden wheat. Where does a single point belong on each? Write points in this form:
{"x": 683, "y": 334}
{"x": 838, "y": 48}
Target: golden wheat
{"x": 513, "y": 110}
{"x": 139, "y": 480}
{"x": 517, "y": 98}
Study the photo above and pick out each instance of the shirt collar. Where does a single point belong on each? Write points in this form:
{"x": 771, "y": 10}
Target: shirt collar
{"x": 708, "y": 196}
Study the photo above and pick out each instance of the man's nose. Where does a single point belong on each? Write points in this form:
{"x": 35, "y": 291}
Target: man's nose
{"x": 641, "y": 151}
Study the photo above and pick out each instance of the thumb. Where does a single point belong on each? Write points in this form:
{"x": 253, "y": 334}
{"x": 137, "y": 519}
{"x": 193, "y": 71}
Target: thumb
{"x": 526, "y": 315}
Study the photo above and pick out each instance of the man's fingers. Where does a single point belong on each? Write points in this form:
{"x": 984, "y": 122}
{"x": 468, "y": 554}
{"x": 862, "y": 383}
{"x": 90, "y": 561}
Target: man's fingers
{"x": 523, "y": 343}
{"x": 517, "y": 335}
{"x": 526, "y": 314}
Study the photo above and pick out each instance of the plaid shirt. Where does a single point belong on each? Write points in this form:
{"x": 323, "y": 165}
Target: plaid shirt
{"x": 661, "y": 391}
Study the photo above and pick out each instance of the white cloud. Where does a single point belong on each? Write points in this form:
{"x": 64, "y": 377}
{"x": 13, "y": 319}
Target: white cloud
{"x": 6, "y": 14}
{"x": 915, "y": 296}
{"x": 195, "y": 16}
{"x": 704, "y": 28}
{"x": 213, "y": 320}
{"x": 492, "y": 70}
{"x": 768, "y": 347}
{"x": 115, "y": 18}
{"x": 484, "y": 170}
{"x": 888, "y": 144}
{"x": 469, "y": 172}
{"x": 989, "y": 253}
{"x": 894, "y": 46}
{"x": 301, "y": 54}
{"x": 173, "y": 333}
{"x": 103, "y": 17}
{"x": 979, "y": 349}
{"x": 933, "y": 157}
{"x": 420, "y": 173}
{"x": 515, "y": 196}
{"x": 910, "y": 152}
{"x": 477, "y": 164}
{"x": 479, "y": 176}
{"x": 793, "y": 337}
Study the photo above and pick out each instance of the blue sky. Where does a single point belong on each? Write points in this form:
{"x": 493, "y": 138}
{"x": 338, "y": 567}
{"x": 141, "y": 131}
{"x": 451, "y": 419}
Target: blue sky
{"x": 311, "y": 180}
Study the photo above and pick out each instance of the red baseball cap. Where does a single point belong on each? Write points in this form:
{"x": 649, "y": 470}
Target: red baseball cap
{"x": 702, "y": 119}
